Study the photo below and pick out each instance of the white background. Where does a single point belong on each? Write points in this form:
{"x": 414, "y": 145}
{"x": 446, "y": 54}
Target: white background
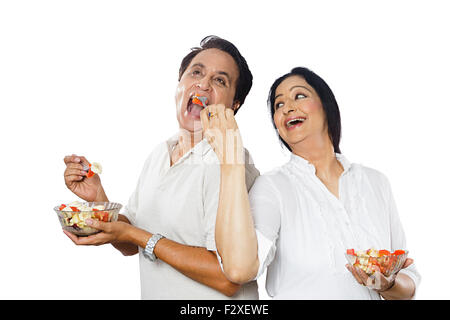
{"x": 98, "y": 78}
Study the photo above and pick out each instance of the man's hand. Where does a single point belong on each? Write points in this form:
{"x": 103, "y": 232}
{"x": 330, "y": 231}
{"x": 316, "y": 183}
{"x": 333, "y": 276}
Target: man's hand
{"x": 111, "y": 232}
{"x": 89, "y": 189}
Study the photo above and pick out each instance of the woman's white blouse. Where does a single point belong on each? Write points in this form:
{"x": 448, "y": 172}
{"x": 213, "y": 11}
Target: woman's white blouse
{"x": 303, "y": 230}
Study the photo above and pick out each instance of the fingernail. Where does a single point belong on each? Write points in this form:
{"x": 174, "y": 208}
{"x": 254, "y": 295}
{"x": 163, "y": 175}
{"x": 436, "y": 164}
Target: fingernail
{"x": 77, "y": 160}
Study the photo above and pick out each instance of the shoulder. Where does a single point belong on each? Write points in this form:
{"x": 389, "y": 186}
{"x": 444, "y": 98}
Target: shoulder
{"x": 157, "y": 152}
{"x": 373, "y": 175}
{"x": 270, "y": 183}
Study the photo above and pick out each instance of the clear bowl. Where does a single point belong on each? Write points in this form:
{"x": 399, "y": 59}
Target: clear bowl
{"x": 109, "y": 214}
{"x": 386, "y": 264}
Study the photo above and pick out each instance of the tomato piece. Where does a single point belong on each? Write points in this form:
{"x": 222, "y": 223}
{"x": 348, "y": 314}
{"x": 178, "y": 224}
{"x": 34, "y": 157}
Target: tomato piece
{"x": 105, "y": 216}
{"x": 351, "y": 251}
{"x": 75, "y": 209}
{"x": 90, "y": 173}
{"x": 62, "y": 207}
{"x": 398, "y": 252}
{"x": 384, "y": 252}
{"x": 197, "y": 101}
{"x": 101, "y": 216}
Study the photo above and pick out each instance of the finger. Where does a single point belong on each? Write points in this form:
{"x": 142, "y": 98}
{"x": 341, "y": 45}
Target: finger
{"x": 221, "y": 114}
{"x": 407, "y": 263}
{"x": 204, "y": 118}
{"x": 72, "y": 159}
{"x": 71, "y": 236}
{"x": 363, "y": 276}
{"x": 74, "y": 172}
{"x": 229, "y": 114}
{"x": 100, "y": 225}
{"x": 73, "y": 165}
{"x": 213, "y": 117}
{"x": 70, "y": 179}
{"x": 354, "y": 273}
{"x": 84, "y": 161}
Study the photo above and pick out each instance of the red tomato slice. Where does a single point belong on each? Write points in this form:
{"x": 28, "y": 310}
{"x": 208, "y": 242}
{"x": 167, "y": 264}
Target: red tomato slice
{"x": 75, "y": 209}
{"x": 351, "y": 251}
{"x": 398, "y": 252}
{"x": 384, "y": 252}
{"x": 90, "y": 173}
{"x": 62, "y": 207}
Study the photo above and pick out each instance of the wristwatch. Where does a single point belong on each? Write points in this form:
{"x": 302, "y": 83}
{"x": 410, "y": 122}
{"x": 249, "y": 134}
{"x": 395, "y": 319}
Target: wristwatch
{"x": 148, "y": 251}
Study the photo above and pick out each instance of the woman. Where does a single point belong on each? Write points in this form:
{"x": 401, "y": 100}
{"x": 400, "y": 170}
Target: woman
{"x": 299, "y": 219}
{"x": 170, "y": 217}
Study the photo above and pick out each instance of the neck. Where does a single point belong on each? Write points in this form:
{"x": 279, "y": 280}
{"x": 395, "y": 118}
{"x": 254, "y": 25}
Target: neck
{"x": 320, "y": 153}
{"x": 187, "y": 140}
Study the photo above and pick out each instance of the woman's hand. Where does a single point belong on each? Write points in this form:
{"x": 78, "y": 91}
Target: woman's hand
{"x": 222, "y": 132}
{"x": 111, "y": 232}
{"x": 378, "y": 281}
{"x": 89, "y": 189}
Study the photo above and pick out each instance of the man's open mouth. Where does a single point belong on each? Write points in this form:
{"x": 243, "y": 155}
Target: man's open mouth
{"x": 194, "y": 106}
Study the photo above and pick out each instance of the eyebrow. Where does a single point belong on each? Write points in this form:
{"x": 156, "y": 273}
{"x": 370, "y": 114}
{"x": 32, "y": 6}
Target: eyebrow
{"x": 292, "y": 89}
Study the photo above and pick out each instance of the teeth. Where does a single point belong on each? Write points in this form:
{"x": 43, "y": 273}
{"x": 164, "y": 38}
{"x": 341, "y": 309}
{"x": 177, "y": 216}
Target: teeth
{"x": 291, "y": 122}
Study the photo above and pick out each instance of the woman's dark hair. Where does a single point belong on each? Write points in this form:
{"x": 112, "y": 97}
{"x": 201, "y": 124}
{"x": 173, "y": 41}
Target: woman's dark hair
{"x": 326, "y": 96}
{"x": 245, "y": 80}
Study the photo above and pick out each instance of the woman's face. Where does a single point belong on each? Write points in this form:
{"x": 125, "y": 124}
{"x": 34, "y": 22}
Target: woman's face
{"x": 212, "y": 73}
{"x": 298, "y": 112}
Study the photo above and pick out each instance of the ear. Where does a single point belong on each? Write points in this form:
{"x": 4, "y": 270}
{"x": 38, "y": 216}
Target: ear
{"x": 236, "y": 106}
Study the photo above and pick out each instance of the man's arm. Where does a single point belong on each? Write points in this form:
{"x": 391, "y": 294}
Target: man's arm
{"x": 197, "y": 263}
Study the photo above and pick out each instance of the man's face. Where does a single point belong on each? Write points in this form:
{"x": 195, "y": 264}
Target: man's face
{"x": 213, "y": 74}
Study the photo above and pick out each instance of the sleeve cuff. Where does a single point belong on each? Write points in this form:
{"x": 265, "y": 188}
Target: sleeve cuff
{"x": 266, "y": 252}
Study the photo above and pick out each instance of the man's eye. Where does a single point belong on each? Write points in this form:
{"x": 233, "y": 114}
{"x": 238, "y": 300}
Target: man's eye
{"x": 221, "y": 81}
{"x": 299, "y": 96}
{"x": 195, "y": 72}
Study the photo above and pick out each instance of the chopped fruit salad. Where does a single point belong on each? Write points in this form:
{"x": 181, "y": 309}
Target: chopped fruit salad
{"x": 76, "y": 213}
{"x": 94, "y": 168}
{"x": 373, "y": 260}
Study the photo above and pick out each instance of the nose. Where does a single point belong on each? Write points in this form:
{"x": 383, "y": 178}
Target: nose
{"x": 288, "y": 109}
{"x": 203, "y": 84}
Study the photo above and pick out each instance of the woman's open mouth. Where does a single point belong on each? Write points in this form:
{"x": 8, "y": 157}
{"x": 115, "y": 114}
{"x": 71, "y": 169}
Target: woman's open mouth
{"x": 292, "y": 123}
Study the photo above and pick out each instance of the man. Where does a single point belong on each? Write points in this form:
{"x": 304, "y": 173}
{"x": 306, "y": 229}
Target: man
{"x": 170, "y": 217}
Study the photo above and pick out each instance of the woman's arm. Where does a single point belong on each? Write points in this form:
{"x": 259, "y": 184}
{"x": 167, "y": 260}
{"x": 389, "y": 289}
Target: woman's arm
{"x": 235, "y": 235}
{"x": 403, "y": 289}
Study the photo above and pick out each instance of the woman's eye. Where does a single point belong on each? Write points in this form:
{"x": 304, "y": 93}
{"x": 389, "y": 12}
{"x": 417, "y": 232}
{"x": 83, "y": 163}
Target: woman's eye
{"x": 299, "y": 96}
{"x": 279, "y": 105}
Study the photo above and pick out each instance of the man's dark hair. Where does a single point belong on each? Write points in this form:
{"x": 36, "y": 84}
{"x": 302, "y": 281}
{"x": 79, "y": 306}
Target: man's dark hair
{"x": 326, "y": 96}
{"x": 245, "y": 79}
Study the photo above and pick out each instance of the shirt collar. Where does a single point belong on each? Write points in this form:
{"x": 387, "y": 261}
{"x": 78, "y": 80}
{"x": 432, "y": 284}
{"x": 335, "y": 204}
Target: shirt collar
{"x": 305, "y": 165}
{"x": 200, "y": 149}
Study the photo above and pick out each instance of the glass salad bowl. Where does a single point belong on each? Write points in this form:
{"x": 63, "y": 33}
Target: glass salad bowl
{"x": 370, "y": 261}
{"x": 73, "y": 216}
